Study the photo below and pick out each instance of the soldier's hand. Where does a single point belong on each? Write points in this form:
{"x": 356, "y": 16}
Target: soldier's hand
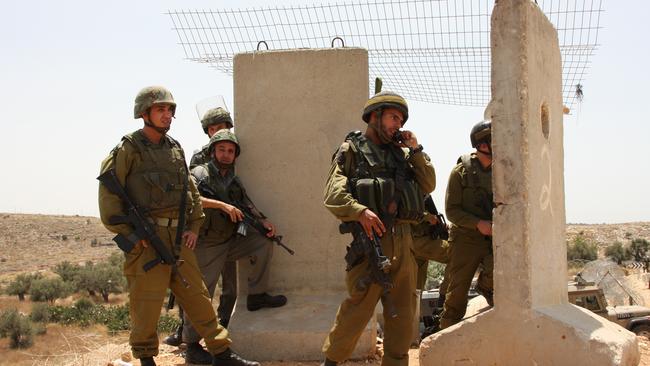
{"x": 485, "y": 227}
{"x": 190, "y": 239}
{"x": 409, "y": 139}
{"x": 432, "y": 219}
{"x": 270, "y": 228}
{"x": 371, "y": 223}
{"x": 233, "y": 212}
{"x": 144, "y": 243}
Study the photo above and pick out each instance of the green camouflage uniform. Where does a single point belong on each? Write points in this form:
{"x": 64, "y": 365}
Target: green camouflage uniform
{"x": 355, "y": 311}
{"x": 469, "y": 200}
{"x": 229, "y": 273}
{"x": 218, "y": 242}
{"x": 153, "y": 176}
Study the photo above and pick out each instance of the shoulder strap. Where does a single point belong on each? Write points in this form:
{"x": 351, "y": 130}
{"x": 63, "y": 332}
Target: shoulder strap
{"x": 470, "y": 170}
{"x": 362, "y": 168}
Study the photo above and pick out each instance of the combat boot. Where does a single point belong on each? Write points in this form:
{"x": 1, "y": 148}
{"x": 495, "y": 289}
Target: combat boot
{"x": 197, "y": 355}
{"x": 230, "y": 358}
{"x": 264, "y": 300}
{"x": 147, "y": 361}
{"x": 175, "y": 339}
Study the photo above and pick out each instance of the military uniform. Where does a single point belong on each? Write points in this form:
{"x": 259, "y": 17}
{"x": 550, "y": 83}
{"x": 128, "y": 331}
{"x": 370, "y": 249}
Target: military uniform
{"x": 229, "y": 273}
{"x": 425, "y": 249}
{"x": 383, "y": 164}
{"x": 154, "y": 176}
{"x": 218, "y": 242}
{"x": 469, "y": 200}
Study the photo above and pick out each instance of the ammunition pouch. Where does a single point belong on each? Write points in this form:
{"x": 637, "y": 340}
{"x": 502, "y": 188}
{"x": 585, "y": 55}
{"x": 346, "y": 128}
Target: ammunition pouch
{"x": 375, "y": 193}
{"x": 412, "y": 203}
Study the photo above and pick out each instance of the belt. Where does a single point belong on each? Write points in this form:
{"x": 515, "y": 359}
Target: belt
{"x": 164, "y": 221}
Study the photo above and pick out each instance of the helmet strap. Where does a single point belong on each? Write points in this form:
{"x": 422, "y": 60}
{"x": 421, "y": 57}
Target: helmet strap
{"x": 160, "y": 130}
{"x": 377, "y": 126}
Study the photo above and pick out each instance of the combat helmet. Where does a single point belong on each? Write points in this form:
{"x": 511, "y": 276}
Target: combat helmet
{"x": 152, "y": 95}
{"x": 385, "y": 99}
{"x": 215, "y": 116}
{"x": 223, "y": 135}
{"x": 481, "y": 132}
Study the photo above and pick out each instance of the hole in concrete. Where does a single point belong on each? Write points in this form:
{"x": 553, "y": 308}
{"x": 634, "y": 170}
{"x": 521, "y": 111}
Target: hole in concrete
{"x": 544, "y": 117}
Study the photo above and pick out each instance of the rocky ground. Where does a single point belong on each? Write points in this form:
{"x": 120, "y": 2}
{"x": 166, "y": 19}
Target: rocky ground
{"x": 38, "y": 242}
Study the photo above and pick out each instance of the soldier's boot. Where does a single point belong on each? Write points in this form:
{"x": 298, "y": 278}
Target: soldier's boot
{"x": 487, "y": 294}
{"x": 230, "y": 358}
{"x": 197, "y": 355}
{"x": 328, "y": 362}
{"x": 175, "y": 339}
{"x": 264, "y": 300}
{"x": 147, "y": 361}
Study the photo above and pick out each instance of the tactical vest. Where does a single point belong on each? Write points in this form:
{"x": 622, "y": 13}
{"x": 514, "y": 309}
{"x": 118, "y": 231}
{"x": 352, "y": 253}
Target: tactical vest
{"x": 383, "y": 181}
{"x": 477, "y": 188}
{"x": 200, "y": 157}
{"x": 217, "y": 226}
{"x": 156, "y": 183}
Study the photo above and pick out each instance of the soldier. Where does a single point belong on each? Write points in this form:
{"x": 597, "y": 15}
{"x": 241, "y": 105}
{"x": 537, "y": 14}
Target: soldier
{"x": 429, "y": 244}
{"x": 365, "y": 165}
{"x": 213, "y": 120}
{"x": 469, "y": 208}
{"x": 221, "y": 192}
{"x": 151, "y": 166}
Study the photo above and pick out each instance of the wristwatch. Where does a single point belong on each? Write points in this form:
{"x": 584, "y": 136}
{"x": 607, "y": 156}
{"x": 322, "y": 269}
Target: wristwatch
{"x": 417, "y": 149}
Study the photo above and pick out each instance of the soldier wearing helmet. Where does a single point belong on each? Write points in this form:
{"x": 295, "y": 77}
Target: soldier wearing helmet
{"x": 378, "y": 178}
{"x": 212, "y": 121}
{"x": 223, "y": 197}
{"x": 469, "y": 208}
{"x": 151, "y": 167}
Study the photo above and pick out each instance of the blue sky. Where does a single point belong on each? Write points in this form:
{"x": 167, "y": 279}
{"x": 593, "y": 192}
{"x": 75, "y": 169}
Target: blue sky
{"x": 69, "y": 72}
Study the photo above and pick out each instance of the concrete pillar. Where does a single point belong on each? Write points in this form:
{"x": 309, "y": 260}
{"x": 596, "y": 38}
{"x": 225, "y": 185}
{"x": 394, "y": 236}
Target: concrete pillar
{"x": 532, "y": 322}
{"x": 292, "y": 110}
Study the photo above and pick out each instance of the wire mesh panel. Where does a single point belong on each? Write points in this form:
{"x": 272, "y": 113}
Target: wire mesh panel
{"x": 433, "y": 51}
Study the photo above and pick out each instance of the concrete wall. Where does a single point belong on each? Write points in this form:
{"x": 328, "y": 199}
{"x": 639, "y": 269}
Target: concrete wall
{"x": 292, "y": 111}
{"x": 532, "y": 322}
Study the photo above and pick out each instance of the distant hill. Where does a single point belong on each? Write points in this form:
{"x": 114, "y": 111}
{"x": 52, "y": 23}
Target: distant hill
{"x": 38, "y": 242}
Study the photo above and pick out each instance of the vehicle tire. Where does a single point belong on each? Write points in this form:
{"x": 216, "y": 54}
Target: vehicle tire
{"x": 642, "y": 330}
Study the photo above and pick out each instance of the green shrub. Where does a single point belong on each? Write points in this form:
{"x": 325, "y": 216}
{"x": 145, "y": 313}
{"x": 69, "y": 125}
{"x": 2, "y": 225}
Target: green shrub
{"x": 49, "y": 289}
{"x": 84, "y": 304}
{"x": 67, "y": 271}
{"x": 168, "y": 323}
{"x": 105, "y": 277}
{"x": 580, "y": 248}
{"x": 115, "y": 318}
{"x": 116, "y": 259}
{"x": 21, "y": 284}
{"x": 617, "y": 252}
{"x": 39, "y": 328}
{"x": 435, "y": 275}
{"x": 40, "y": 313}
{"x": 639, "y": 248}
{"x": 18, "y": 328}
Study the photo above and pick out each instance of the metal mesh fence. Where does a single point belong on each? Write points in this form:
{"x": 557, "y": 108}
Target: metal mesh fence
{"x": 434, "y": 51}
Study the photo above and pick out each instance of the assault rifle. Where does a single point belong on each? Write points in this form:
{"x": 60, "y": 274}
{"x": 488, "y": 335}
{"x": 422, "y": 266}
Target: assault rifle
{"x": 439, "y": 230}
{"x": 362, "y": 247}
{"x": 249, "y": 218}
{"x": 144, "y": 230}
